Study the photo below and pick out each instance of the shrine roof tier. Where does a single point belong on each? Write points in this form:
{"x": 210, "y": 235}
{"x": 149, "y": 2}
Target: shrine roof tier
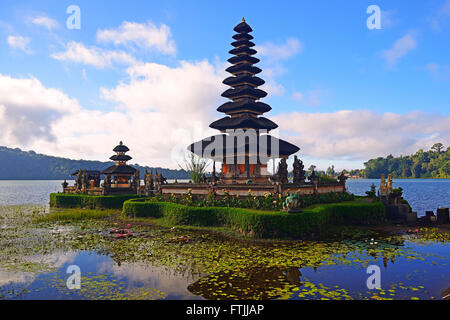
{"x": 243, "y": 27}
{"x": 244, "y": 67}
{"x": 242, "y": 43}
{"x": 121, "y": 148}
{"x": 123, "y": 169}
{"x": 220, "y": 147}
{"x": 245, "y": 104}
{"x": 243, "y": 36}
{"x": 243, "y": 50}
{"x": 244, "y": 92}
{"x": 243, "y": 58}
{"x": 244, "y": 121}
{"x": 120, "y": 157}
{"x": 243, "y": 79}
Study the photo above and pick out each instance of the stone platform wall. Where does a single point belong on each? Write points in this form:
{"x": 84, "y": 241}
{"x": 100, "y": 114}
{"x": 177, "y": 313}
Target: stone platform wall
{"x": 255, "y": 189}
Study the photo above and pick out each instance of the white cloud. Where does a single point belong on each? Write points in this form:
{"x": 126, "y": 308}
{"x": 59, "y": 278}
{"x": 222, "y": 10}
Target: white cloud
{"x": 44, "y": 21}
{"x": 400, "y": 49}
{"x": 161, "y": 110}
{"x": 362, "y": 134}
{"x": 310, "y": 98}
{"x": 388, "y": 19}
{"x": 19, "y": 42}
{"x": 272, "y": 58}
{"x": 96, "y": 57}
{"x": 277, "y": 52}
{"x": 440, "y": 17}
{"x": 445, "y": 9}
{"x": 28, "y": 109}
{"x": 169, "y": 108}
{"x": 437, "y": 71}
{"x": 141, "y": 35}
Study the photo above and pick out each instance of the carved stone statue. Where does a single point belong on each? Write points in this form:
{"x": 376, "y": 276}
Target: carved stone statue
{"x": 79, "y": 180}
{"x": 389, "y": 183}
{"x": 107, "y": 182}
{"x": 136, "y": 181}
{"x": 84, "y": 181}
{"x": 64, "y": 184}
{"x": 383, "y": 186}
{"x": 148, "y": 183}
{"x": 292, "y": 203}
{"x": 299, "y": 173}
{"x": 97, "y": 181}
{"x": 159, "y": 179}
{"x": 282, "y": 173}
{"x": 162, "y": 180}
{"x": 342, "y": 178}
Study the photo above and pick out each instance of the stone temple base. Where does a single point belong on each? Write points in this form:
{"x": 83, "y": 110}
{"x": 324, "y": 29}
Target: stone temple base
{"x": 255, "y": 189}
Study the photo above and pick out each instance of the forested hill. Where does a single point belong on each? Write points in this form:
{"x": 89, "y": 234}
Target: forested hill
{"x": 434, "y": 163}
{"x": 16, "y": 164}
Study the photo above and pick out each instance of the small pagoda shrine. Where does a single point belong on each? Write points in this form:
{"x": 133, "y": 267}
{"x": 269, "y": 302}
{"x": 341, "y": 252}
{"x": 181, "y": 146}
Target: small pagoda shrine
{"x": 244, "y": 146}
{"x": 120, "y": 177}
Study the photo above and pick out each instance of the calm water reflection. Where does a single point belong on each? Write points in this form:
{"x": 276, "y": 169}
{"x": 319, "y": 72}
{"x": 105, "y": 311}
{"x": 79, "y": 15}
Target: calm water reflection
{"x": 422, "y": 278}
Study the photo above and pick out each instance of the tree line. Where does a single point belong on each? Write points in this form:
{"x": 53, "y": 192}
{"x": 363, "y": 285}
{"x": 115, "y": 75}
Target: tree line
{"x": 434, "y": 163}
{"x": 16, "y": 164}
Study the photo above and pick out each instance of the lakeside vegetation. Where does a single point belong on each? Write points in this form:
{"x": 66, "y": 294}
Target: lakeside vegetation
{"x": 64, "y": 200}
{"x": 431, "y": 164}
{"x": 434, "y": 163}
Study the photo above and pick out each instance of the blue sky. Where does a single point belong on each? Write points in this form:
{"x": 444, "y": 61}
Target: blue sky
{"x": 324, "y": 68}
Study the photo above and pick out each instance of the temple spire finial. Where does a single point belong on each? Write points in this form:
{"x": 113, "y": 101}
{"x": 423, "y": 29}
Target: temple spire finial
{"x": 243, "y": 20}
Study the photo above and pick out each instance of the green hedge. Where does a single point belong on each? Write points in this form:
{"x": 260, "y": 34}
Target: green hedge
{"x": 63, "y": 200}
{"x": 264, "y": 224}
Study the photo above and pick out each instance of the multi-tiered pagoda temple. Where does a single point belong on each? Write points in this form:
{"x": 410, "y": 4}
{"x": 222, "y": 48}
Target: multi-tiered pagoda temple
{"x": 120, "y": 178}
{"x": 120, "y": 172}
{"x": 244, "y": 146}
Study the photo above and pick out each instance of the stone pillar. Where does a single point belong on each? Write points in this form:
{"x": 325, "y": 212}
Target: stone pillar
{"x": 443, "y": 215}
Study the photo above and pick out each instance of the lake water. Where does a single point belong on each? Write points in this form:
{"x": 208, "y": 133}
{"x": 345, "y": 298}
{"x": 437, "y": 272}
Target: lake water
{"x": 151, "y": 266}
{"x": 422, "y": 194}
{"x": 34, "y": 258}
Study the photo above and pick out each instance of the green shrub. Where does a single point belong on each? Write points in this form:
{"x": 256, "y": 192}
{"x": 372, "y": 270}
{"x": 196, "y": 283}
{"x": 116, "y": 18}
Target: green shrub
{"x": 62, "y": 200}
{"x": 75, "y": 215}
{"x": 268, "y": 202}
{"x": 264, "y": 224}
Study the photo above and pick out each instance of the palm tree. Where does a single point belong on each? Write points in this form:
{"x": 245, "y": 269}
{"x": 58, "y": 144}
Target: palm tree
{"x": 195, "y": 166}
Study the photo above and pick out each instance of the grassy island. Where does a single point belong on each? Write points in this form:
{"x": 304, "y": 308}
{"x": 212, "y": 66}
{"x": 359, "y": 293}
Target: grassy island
{"x": 63, "y": 200}
{"x": 315, "y": 219}
{"x": 262, "y": 224}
